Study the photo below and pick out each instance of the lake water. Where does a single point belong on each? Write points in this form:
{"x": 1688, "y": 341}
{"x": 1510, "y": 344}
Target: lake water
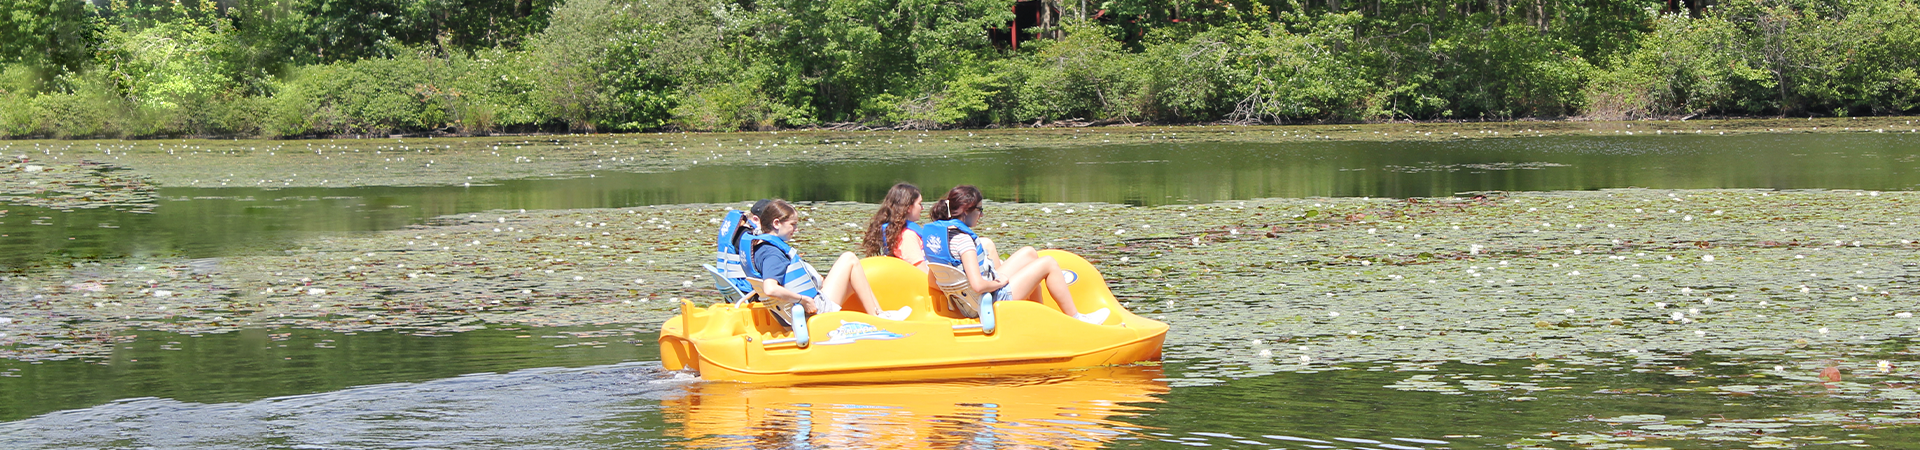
{"x": 207, "y": 222}
{"x": 600, "y": 388}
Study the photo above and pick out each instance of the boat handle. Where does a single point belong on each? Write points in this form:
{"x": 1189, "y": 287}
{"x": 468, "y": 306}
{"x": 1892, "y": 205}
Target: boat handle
{"x": 986, "y": 315}
{"x": 800, "y": 337}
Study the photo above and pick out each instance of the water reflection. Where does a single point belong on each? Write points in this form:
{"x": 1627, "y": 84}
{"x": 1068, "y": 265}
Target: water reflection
{"x": 212, "y": 222}
{"x": 1073, "y": 409}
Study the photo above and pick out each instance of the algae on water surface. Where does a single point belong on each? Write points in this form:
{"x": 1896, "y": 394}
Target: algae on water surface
{"x": 1305, "y": 282}
{"x": 1779, "y": 285}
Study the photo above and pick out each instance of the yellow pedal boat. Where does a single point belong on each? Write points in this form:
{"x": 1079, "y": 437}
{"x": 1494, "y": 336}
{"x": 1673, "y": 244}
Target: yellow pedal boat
{"x": 743, "y": 342}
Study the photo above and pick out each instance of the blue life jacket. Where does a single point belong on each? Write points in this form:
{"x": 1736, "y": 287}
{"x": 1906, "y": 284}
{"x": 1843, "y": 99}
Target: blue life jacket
{"x": 886, "y": 237}
{"x": 730, "y": 255}
{"x": 937, "y": 235}
{"x": 797, "y": 278}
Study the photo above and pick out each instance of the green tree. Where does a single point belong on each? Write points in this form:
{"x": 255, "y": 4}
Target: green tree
{"x": 52, "y": 35}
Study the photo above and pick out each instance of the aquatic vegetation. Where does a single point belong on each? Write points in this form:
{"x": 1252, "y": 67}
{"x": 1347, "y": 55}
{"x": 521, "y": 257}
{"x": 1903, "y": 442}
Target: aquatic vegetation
{"x": 73, "y": 184}
{"x": 1804, "y": 287}
{"x": 1305, "y": 277}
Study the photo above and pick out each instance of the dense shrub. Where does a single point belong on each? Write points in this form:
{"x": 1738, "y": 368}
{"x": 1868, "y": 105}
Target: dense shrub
{"x": 1082, "y": 75}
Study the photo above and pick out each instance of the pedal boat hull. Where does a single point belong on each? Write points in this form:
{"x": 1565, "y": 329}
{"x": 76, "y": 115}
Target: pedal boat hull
{"x": 729, "y": 342}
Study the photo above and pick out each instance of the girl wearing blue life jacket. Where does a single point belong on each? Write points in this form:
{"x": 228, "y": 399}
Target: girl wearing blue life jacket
{"x": 894, "y": 230}
{"x": 788, "y": 278}
{"x": 950, "y": 240}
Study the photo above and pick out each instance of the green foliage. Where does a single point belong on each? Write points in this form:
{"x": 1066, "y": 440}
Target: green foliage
{"x": 1506, "y": 72}
{"x": 88, "y": 110}
{"x": 1082, "y": 75}
{"x": 1685, "y": 67}
{"x": 345, "y": 30}
{"x": 289, "y": 68}
{"x": 1280, "y": 75}
{"x": 370, "y": 96}
{"x": 54, "y": 35}
{"x": 725, "y": 107}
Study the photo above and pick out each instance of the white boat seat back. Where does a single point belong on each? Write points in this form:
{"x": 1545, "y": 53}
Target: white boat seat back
{"x": 785, "y": 308}
{"x": 953, "y": 282}
{"x": 727, "y": 290}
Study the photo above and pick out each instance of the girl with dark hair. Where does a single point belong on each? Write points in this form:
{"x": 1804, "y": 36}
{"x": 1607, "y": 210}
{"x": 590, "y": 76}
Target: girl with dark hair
{"x": 950, "y": 240}
{"x": 894, "y": 230}
{"x": 788, "y": 278}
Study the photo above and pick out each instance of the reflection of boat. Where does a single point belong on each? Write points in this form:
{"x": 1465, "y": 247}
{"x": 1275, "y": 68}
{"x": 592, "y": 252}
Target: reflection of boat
{"x": 1059, "y": 409}
{"x": 745, "y": 343}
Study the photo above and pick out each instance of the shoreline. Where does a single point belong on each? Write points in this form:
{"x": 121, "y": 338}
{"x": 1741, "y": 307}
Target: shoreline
{"x": 854, "y": 127}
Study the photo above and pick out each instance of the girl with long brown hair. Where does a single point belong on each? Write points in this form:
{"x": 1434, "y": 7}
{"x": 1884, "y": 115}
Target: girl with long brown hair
{"x": 894, "y": 230}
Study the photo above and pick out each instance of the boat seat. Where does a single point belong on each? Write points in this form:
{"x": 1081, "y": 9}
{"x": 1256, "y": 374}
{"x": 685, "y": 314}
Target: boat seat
{"x": 791, "y": 312}
{"x": 727, "y": 290}
{"x": 960, "y": 296}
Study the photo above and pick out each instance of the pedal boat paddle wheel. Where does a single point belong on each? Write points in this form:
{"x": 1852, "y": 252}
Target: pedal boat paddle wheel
{"x": 744, "y": 342}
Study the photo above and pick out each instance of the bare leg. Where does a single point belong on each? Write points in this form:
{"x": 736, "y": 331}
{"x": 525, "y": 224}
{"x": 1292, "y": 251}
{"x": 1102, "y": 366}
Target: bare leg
{"x": 1019, "y": 260}
{"x": 846, "y": 278}
{"x": 1043, "y": 272}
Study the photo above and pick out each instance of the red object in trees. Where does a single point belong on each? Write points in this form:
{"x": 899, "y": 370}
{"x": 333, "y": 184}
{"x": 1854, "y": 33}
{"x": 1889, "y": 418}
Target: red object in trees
{"x": 1015, "y": 26}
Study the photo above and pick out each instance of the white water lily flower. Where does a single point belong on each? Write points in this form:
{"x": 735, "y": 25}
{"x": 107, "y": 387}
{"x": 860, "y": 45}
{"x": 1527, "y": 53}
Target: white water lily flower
{"x": 316, "y": 291}
{"x": 1678, "y": 316}
{"x": 1823, "y": 330}
{"x": 1707, "y": 258}
{"x": 688, "y": 283}
{"x": 1904, "y": 315}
